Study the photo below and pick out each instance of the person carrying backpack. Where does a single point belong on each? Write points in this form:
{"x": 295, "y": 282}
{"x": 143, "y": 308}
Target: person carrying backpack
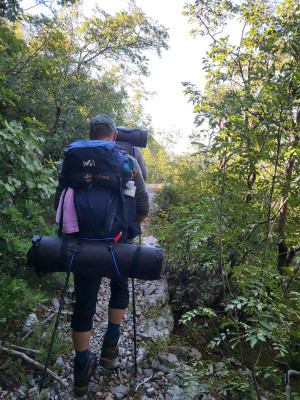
{"x": 110, "y": 200}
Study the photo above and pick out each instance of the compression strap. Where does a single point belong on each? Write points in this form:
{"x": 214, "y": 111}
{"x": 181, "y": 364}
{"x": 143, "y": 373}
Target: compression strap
{"x": 109, "y": 241}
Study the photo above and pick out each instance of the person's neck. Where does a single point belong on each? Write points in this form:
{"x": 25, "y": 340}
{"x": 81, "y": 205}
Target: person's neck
{"x": 105, "y": 139}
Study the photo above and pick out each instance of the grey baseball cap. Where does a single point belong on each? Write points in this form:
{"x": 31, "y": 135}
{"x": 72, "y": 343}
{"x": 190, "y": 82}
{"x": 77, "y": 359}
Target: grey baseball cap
{"x": 103, "y": 119}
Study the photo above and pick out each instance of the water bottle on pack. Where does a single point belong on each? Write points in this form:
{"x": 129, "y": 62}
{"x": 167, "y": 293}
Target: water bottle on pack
{"x": 130, "y": 189}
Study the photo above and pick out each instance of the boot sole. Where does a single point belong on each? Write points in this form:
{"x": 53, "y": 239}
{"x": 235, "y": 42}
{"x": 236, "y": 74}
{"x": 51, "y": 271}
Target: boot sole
{"x": 110, "y": 365}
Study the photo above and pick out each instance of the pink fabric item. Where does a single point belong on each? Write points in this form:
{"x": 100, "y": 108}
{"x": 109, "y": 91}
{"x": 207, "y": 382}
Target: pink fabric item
{"x": 67, "y": 205}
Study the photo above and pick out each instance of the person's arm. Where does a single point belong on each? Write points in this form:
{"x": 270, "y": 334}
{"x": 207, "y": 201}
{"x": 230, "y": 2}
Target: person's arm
{"x": 58, "y": 191}
{"x": 57, "y": 195}
{"x": 141, "y": 196}
{"x": 139, "y": 156}
{"x": 140, "y": 218}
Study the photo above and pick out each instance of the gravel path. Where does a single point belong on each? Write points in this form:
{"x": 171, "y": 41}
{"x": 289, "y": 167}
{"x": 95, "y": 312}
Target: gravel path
{"x": 119, "y": 384}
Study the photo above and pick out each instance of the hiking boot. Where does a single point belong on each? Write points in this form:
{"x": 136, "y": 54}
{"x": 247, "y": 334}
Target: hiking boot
{"x": 109, "y": 353}
{"x": 83, "y": 375}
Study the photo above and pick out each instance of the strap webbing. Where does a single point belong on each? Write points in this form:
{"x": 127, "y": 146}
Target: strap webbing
{"x": 136, "y": 259}
{"x": 61, "y": 221}
{"x": 63, "y": 252}
{"x": 109, "y": 241}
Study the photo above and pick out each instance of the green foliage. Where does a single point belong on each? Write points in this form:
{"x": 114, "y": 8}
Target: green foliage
{"x": 57, "y": 70}
{"x": 22, "y": 167}
{"x": 13, "y": 365}
{"x": 227, "y": 223}
{"x": 12, "y": 9}
{"x": 124, "y": 35}
{"x": 64, "y": 69}
{"x": 162, "y": 164}
{"x": 223, "y": 379}
{"x": 247, "y": 304}
{"x": 200, "y": 311}
{"x": 267, "y": 318}
{"x": 41, "y": 338}
{"x": 15, "y": 291}
{"x": 158, "y": 346}
{"x": 25, "y": 186}
{"x": 226, "y": 380}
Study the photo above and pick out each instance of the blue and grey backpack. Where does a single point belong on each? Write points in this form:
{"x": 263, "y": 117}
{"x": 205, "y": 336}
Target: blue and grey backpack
{"x": 98, "y": 173}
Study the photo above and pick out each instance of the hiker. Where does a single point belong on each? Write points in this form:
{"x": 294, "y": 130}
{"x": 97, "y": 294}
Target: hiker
{"x": 103, "y": 132}
{"x": 136, "y": 153}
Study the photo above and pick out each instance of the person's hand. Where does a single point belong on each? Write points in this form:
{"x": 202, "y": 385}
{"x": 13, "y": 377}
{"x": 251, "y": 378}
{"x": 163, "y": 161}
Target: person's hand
{"x": 140, "y": 218}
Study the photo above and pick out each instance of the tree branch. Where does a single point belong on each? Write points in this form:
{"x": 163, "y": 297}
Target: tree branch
{"x": 33, "y": 362}
{"x": 208, "y": 31}
{"x": 26, "y": 62}
{"x": 13, "y": 346}
{"x": 33, "y": 329}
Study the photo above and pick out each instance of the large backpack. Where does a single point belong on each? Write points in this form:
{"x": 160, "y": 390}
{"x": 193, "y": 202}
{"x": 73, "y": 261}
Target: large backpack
{"x": 127, "y": 147}
{"x": 98, "y": 173}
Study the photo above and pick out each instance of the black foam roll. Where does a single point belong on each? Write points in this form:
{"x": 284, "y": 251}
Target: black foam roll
{"x": 52, "y": 254}
{"x": 136, "y": 137}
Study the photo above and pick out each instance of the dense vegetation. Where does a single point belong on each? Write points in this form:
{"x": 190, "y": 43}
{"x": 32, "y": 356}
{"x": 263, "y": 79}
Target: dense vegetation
{"x": 57, "y": 70}
{"x": 230, "y": 220}
{"x": 228, "y": 215}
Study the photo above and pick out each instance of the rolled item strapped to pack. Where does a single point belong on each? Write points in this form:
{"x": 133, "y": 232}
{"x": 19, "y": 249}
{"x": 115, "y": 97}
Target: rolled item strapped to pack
{"x": 52, "y": 254}
{"x": 136, "y": 137}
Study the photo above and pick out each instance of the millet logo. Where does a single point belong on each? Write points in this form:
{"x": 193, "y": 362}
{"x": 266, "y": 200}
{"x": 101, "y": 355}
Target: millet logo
{"x": 89, "y": 163}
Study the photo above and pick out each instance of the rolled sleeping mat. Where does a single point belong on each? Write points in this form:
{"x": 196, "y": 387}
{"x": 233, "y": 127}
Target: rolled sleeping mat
{"x": 136, "y": 137}
{"x": 52, "y": 254}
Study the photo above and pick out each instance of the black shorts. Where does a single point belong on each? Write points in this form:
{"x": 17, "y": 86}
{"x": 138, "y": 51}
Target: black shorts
{"x": 86, "y": 291}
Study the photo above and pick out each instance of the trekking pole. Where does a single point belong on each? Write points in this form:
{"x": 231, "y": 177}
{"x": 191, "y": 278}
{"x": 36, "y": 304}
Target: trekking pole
{"x": 61, "y": 304}
{"x": 134, "y": 320}
{"x": 134, "y": 328}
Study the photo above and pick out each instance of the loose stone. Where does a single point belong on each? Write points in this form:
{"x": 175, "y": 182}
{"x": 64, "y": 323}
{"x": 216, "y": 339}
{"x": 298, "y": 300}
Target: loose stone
{"x": 55, "y": 303}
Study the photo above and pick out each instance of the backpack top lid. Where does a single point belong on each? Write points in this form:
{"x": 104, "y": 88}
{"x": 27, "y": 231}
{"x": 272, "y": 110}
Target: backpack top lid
{"x": 95, "y": 160}
{"x": 92, "y": 156}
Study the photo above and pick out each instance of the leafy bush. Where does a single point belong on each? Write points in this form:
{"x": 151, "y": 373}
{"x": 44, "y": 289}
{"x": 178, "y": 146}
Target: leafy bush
{"x": 15, "y": 292}
{"x": 214, "y": 264}
{"x": 26, "y": 185}
{"x": 226, "y": 379}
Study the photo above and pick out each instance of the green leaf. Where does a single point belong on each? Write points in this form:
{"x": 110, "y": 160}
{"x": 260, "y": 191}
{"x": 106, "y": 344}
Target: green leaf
{"x": 253, "y": 342}
{"x": 289, "y": 270}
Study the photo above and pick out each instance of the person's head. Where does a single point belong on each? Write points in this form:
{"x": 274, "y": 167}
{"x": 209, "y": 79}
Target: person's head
{"x": 102, "y": 127}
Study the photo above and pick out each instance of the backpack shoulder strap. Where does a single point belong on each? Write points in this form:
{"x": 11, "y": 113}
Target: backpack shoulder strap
{"x": 129, "y": 169}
